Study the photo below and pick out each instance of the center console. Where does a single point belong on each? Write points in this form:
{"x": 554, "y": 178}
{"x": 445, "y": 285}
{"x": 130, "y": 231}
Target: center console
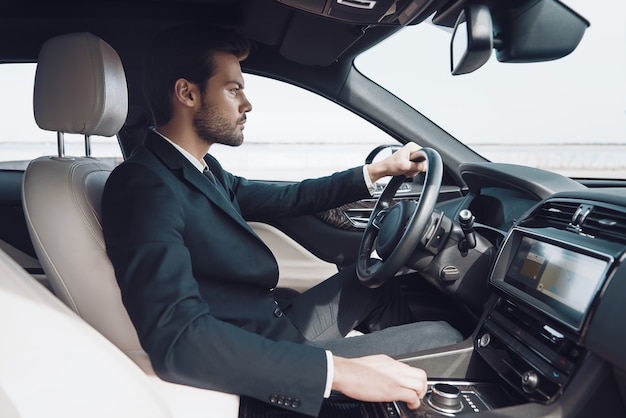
{"x": 548, "y": 281}
{"x": 545, "y": 283}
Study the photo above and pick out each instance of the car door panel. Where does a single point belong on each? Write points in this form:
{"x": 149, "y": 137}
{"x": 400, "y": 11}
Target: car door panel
{"x": 310, "y": 248}
{"x": 299, "y": 268}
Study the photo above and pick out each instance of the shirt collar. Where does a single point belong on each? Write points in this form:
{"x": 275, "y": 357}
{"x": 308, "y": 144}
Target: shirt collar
{"x": 200, "y": 165}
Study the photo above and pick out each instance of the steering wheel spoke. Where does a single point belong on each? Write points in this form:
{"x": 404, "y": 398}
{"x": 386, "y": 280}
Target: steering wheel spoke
{"x": 379, "y": 218}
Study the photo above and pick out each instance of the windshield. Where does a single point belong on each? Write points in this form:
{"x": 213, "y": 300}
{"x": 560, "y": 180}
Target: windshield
{"x": 567, "y": 115}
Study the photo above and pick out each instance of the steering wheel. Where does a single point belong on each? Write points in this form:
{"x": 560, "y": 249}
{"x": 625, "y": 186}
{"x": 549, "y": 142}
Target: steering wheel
{"x": 396, "y": 230}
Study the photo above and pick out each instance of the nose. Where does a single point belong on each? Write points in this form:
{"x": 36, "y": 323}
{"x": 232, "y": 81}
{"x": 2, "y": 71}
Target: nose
{"x": 246, "y": 106}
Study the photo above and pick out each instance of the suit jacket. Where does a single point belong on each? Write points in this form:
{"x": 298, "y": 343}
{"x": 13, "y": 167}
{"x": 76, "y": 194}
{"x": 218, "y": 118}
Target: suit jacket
{"x": 196, "y": 280}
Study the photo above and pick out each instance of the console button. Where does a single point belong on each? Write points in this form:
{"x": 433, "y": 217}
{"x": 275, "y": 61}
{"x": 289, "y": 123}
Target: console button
{"x": 445, "y": 398}
{"x": 484, "y": 340}
{"x": 530, "y": 381}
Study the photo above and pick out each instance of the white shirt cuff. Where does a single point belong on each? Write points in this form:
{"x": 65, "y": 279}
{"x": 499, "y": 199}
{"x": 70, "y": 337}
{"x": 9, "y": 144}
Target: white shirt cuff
{"x": 330, "y": 373}
{"x": 368, "y": 181}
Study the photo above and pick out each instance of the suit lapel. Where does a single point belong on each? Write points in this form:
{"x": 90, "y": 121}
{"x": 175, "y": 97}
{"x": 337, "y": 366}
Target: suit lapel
{"x": 204, "y": 185}
{"x": 176, "y": 162}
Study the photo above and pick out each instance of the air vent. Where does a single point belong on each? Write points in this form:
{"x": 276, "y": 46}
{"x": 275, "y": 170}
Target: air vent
{"x": 606, "y": 223}
{"x": 558, "y": 214}
{"x": 590, "y": 218}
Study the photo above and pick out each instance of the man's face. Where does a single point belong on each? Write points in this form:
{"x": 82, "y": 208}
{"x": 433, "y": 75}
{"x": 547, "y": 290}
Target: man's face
{"x": 222, "y": 116}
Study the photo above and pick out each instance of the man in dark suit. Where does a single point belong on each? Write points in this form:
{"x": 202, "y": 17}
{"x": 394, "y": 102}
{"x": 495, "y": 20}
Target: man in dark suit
{"x": 197, "y": 281}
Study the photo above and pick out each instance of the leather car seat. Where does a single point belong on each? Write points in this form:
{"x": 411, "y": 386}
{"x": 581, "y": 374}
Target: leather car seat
{"x": 53, "y": 364}
{"x": 80, "y": 88}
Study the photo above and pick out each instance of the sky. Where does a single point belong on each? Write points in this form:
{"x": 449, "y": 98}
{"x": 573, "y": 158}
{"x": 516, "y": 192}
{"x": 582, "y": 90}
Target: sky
{"x": 579, "y": 98}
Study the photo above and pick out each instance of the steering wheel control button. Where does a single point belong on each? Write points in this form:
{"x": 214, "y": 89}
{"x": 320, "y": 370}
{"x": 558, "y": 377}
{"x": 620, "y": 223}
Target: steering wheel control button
{"x": 445, "y": 398}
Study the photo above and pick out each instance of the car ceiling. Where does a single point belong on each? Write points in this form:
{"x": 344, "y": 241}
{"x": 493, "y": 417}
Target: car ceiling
{"x": 280, "y": 31}
{"x": 297, "y": 35}
{"x": 291, "y": 42}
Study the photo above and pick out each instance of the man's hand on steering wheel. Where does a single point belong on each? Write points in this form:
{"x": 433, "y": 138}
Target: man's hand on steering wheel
{"x": 407, "y": 161}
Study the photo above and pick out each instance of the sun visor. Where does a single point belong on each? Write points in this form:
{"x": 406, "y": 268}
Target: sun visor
{"x": 315, "y": 43}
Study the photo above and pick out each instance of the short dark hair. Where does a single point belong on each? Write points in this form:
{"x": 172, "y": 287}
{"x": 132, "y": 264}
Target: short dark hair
{"x": 187, "y": 52}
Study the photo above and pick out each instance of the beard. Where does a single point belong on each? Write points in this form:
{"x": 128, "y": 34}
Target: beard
{"x": 212, "y": 127}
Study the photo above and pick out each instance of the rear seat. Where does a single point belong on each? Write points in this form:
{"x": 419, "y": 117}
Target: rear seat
{"x": 53, "y": 364}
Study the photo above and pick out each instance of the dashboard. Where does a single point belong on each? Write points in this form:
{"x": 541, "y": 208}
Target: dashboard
{"x": 555, "y": 286}
{"x": 500, "y": 194}
{"x": 500, "y": 208}
{"x": 548, "y": 339}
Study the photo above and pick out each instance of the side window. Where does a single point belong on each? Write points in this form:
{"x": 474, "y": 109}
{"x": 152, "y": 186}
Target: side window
{"x": 293, "y": 134}
{"x": 21, "y": 140}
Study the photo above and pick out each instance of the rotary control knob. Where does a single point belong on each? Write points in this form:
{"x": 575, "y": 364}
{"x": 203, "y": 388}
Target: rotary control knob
{"x": 484, "y": 340}
{"x": 445, "y": 398}
{"x": 530, "y": 381}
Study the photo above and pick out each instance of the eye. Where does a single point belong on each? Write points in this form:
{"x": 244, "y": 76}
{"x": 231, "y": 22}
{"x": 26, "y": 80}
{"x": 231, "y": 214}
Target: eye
{"x": 235, "y": 89}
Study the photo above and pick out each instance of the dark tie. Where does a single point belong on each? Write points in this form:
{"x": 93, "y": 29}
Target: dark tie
{"x": 217, "y": 184}
{"x": 209, "y": 175}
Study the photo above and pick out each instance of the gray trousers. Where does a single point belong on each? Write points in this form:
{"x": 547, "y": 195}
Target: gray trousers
{"x": 330, "y": 310}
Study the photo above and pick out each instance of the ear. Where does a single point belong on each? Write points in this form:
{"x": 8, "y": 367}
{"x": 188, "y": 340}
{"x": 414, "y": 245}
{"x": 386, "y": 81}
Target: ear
{"x": 186, "y": 93}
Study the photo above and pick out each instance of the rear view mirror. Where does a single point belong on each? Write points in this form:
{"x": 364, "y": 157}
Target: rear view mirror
{"x": 472, "y": 39}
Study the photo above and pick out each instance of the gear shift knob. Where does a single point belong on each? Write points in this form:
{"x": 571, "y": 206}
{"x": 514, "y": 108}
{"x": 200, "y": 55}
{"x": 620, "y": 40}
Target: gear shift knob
{"x": 466, "y": 220}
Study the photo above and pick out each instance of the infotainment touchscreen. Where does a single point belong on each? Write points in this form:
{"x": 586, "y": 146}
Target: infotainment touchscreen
{"x": 563, "y": 279}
